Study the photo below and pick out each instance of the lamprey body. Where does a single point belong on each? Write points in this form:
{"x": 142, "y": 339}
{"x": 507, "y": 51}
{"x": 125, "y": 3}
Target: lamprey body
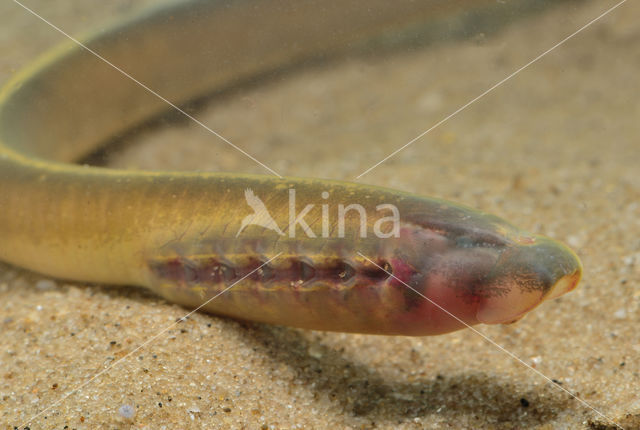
{"x": 291, "y": 251}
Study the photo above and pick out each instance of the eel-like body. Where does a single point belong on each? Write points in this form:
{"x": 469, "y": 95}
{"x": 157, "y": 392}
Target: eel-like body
{"x": 189, "y": 236}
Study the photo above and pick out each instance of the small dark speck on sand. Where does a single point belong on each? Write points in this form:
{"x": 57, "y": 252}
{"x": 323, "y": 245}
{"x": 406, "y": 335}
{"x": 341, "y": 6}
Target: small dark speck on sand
{"x": 524, "y": 402}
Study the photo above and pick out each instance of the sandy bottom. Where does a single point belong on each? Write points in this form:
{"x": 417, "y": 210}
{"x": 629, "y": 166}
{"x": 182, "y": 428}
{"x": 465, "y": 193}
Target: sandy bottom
{"x": 554, "y": 150}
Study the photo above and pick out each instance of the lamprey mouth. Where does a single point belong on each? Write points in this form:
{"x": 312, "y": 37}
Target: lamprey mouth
{"x": 527, "y": 275}
{"x": 565, "y": 284}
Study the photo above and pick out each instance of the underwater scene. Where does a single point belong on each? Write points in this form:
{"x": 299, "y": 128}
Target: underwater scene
{"x": 280, "y": 214}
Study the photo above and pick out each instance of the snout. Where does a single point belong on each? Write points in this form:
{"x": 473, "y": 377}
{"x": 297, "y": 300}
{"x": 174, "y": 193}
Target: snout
{"x": 525, "y": 275}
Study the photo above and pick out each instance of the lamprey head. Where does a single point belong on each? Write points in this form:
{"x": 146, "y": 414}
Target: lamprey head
{"x": 466, "y": 278}
{"x": 526, "y": 274}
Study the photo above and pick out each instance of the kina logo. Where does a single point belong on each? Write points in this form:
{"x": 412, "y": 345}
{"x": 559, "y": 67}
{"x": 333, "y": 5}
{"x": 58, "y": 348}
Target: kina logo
{"x": 260, "y": 216}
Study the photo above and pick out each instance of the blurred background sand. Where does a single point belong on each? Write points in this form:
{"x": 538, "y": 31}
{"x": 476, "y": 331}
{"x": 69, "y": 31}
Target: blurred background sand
{"x": 555, "y": 150}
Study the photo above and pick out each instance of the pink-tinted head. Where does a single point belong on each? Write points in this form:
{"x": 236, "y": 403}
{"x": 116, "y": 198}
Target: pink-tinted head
{"x": 527, "y": 274}
{"x": 480, "y": 279}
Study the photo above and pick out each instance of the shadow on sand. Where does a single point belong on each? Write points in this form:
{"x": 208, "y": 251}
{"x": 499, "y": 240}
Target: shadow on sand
{"x": 363, "y": 391}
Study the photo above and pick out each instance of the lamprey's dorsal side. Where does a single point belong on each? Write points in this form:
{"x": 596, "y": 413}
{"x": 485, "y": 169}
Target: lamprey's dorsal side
{"x": 380, "y": 261}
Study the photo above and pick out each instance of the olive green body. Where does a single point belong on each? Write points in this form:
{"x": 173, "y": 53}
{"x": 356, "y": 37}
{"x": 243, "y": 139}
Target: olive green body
{"x": 182, "y": 234}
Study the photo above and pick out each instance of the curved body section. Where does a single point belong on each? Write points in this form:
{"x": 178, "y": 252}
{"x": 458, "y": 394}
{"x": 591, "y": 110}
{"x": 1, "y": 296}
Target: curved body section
{"x": 308, "y": 253}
